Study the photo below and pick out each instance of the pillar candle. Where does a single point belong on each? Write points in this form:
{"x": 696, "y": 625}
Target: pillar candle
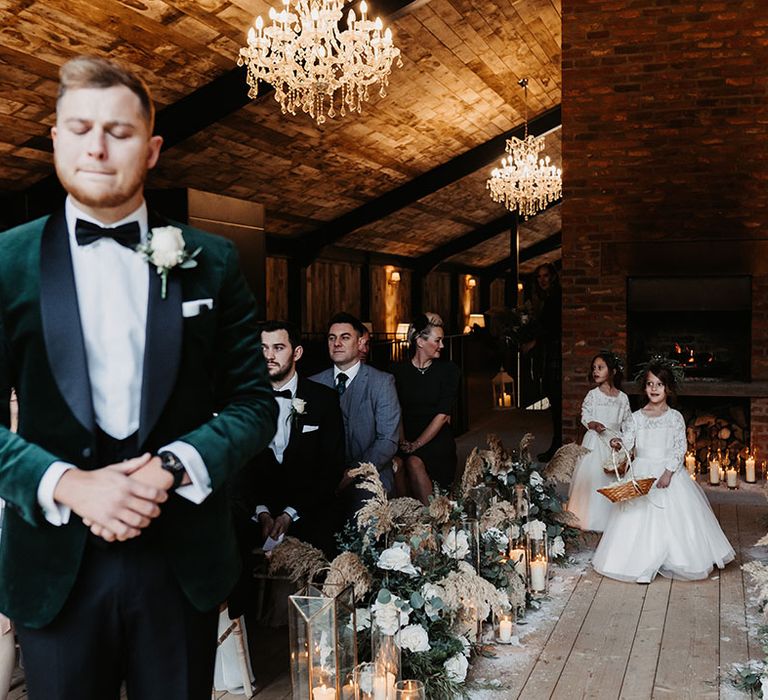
{"x": 732, "y": 477}
{"x": 750, "y": 470}
{"x": 690, "y": 463}
{"x": 714, "y": 472}
{"x": 505, "y": 631}
{"x": 323, "y": 692}
{"x": 518, "y": 557}
{"x": 538, "y": 575}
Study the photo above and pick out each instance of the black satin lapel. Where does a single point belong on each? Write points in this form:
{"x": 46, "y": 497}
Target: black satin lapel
{"x": 60, "y": 315}
{"x": 162, "y": 351}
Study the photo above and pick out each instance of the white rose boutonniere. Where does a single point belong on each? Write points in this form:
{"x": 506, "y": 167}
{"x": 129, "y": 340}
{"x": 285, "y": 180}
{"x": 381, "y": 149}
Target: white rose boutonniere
{"x": 298, "y": 407}
{"x": 165, "y": 250}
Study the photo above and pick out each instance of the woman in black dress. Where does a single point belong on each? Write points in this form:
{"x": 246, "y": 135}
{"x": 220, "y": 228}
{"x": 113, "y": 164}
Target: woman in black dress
{"x": 427, "y": 389}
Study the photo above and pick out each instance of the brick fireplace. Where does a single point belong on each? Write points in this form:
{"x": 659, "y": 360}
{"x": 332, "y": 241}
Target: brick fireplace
{"x": 665, "y": 162}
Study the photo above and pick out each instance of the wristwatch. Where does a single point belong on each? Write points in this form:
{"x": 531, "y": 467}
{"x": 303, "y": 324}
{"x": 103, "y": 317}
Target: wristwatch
{"x": 172, "y": 464}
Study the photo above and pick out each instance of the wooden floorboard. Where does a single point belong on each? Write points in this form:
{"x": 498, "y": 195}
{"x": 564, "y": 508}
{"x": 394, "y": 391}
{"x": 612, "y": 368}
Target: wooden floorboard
{"x": 598, "y": 660}
{"x": 689, "y": 656}
{"x": 644, "y": 655}
{"x": 551, "y": 661}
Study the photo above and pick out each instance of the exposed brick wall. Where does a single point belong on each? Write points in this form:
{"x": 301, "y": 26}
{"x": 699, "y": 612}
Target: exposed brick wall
{"x": 665, "y": 137}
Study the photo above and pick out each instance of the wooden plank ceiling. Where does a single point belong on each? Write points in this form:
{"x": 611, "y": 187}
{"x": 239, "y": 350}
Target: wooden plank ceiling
{"x": 457, "y": 90}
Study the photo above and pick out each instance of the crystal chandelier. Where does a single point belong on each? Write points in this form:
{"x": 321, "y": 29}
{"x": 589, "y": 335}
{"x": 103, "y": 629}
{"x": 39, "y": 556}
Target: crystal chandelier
{"x": 308, "y": 58}
{"x": 524, "y": 181}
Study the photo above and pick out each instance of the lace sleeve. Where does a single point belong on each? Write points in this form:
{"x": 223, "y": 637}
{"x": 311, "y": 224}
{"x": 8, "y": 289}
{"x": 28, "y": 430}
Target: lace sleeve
{"x": 588, "y": 409}
{"x": 679, "y": 443}
{"x": 626, "y": 424}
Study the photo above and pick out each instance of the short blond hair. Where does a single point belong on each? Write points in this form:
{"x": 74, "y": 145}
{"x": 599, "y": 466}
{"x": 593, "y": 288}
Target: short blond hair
{"x": 95, "y": 72}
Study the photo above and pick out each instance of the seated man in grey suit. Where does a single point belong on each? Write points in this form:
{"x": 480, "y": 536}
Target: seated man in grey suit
{"x": 368, "y": 403}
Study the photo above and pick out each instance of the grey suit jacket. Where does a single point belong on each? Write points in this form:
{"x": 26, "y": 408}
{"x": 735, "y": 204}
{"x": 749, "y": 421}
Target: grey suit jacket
{"x": 371, "y": 415}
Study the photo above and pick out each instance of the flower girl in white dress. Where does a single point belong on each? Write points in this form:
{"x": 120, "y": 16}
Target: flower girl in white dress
{"x": 607, "y": 417}
{"x": 672, "y": 530}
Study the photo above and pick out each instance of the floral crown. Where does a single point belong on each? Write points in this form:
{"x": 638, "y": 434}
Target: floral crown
{"x": 615, "y": 358}
{"x": 677, "y": 370}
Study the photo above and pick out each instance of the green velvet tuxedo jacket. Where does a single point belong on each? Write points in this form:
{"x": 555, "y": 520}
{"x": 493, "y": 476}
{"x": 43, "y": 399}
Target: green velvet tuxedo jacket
{"x": 204, "y": 382}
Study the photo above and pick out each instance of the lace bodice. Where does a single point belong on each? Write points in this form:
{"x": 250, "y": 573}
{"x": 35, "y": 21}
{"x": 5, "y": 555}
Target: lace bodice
{"x": 612, "y": 411}
{"x": 661, "y": 438}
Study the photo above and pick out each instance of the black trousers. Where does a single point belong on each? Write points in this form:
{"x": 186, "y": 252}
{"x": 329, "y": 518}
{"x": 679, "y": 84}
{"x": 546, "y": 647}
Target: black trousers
{"x": 125, "y": 620}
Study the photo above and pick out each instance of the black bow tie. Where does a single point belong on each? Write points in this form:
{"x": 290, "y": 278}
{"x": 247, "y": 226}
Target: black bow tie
{"x": 284, "y": 394}
{"x": 127, "y": 235}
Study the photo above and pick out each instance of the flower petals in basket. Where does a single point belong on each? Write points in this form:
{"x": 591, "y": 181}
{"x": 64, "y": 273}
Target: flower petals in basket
{"x": 612, "y": 467}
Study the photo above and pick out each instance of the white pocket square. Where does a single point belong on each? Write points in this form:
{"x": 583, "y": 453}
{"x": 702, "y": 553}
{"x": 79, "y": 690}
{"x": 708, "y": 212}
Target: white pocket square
{"x": 309, "y": 428}
{"x": 195, "y": 307}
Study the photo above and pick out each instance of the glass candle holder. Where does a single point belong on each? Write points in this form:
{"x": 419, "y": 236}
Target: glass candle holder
{"x": 522, "y": 501}
{"x": 410, "y": 690}
{"x": 504, "y": 627}
{"x": 517, "y": 551}
{"x": 538, "y": 563}
{"x": 386, "y": 661}
{"x": 462, "y": 542}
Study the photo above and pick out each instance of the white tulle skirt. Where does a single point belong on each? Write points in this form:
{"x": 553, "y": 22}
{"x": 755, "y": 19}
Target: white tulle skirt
{"x": 670, "y": 531}
{"x": 590, "y": 507}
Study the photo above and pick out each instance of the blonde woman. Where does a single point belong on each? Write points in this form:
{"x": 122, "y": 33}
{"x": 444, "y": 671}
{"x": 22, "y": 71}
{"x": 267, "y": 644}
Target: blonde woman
{"x": 427, "y": 388}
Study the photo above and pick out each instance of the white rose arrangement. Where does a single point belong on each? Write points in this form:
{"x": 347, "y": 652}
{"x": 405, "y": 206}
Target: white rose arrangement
{"x": 456, "y": 544}
{"x": 414, "y": 638}
{"x": 165, "y": 250}
{"x": 397, "y": 558}
{"x": 535, "y": 529}
{"x": 456, "y": 667}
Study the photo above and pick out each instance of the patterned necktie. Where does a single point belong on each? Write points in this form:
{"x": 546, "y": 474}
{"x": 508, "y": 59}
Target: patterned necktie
{"x": 127, "y": 235}
{"x": 341, "y": 383}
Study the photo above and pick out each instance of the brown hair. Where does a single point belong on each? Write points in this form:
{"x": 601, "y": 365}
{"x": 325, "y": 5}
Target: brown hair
{"x": 666, "y": 377}
{"x": 95, "y": 72}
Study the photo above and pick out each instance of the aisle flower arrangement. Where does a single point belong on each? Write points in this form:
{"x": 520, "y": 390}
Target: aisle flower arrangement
{"x": 429, "y": 577}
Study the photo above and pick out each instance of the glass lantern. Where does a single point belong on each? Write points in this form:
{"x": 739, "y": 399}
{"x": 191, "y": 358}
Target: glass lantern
{"x": 537, "y": 556}
{"x": 504, "y": 627}
{"x": 518, "y": 554}
{"x": 479, "y": 499}
{"x": 322, "y": 642}
{"x": 522, "y": 501}
{"x": 503, "y": 391}
{"x": 386, "y": 666}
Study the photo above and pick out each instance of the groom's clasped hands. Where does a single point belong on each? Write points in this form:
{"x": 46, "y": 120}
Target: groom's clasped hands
{"x": 119, "y": 500}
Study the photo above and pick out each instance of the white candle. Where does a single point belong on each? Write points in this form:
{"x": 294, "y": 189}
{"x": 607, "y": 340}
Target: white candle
{"x": 505, "y": 630}
{"x": 714, "y": 472}
{"x": 750, "y": 471}
{"x": 323, "y": 692}
{"x": 518, "y": 557}
{"x": 690, "y": 463}
{"x": 722, "y": 473}
{"x": 538, "y": 575}
{"x": 507, "y": 400}
{"x": 384, "y": 686}
{"x": 732, "y": 478}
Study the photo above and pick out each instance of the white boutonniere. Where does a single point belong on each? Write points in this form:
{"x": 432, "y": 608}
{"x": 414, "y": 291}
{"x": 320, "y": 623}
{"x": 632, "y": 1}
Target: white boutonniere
{"x": 298, "y": 406}
{"x": 165, "y": 250}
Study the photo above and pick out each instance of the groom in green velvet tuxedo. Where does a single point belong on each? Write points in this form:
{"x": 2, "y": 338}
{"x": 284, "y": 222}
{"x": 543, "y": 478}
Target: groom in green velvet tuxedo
{"x": 142, "y": 389}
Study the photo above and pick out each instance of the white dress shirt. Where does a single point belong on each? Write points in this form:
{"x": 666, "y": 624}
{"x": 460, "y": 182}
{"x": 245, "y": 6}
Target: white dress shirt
{"x": 112, "y": 284}
{"x": 283, "y": 435}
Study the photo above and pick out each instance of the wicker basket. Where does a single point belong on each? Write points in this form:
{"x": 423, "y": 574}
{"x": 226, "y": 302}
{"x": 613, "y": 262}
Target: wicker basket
{"x": 627, "y": 490}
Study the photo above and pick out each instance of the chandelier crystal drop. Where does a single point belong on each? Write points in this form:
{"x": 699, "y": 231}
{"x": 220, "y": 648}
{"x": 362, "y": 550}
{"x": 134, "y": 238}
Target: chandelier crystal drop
{"x": 525, "y": 182}
{"x": 313, "y": 64}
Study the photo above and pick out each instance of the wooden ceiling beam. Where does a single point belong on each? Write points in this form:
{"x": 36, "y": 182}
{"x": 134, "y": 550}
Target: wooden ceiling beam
{"x": 422, "y": 185}
{"x": 542, "y": 247}
{"x": 430, "y": 260}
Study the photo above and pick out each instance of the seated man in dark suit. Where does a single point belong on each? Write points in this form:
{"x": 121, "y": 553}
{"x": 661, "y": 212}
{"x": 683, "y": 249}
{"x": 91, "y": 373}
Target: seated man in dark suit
{"x": 289, "y": 487}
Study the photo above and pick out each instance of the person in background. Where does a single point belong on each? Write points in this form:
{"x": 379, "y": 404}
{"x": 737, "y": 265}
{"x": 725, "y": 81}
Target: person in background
{"x": 427, "y": 389}
{"x": 547, "y": 345}
{"x": 368, "y": 403}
